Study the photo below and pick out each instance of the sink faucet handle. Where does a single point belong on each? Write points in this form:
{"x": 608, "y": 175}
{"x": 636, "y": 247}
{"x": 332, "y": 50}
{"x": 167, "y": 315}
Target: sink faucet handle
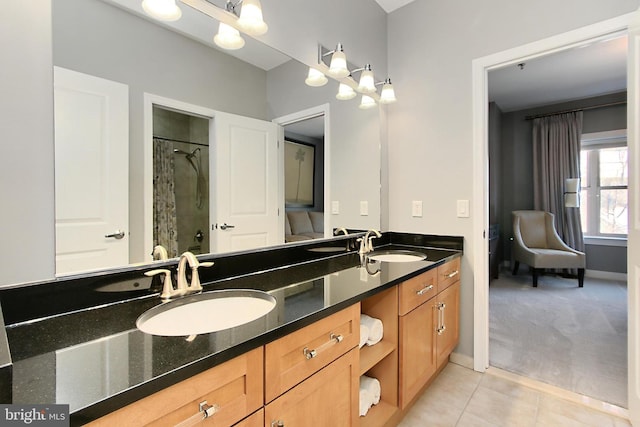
{"x": 206, "y": 264}
{"x": 167, "y": 288}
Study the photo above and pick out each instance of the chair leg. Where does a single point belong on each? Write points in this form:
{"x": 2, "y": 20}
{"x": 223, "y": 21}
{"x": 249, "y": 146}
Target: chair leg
{"x": 580, "y": 277}
{"x": 516, "y": 265}
{"x": 535, "y": 277}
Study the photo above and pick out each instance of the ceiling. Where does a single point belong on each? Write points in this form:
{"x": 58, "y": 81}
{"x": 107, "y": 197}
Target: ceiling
{"x": 595, "y": 69}
{"x": 391, "y": 5}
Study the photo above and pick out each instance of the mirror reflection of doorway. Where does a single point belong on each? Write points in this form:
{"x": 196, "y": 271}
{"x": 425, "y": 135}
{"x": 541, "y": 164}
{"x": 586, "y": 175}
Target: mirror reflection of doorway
{"x": 181, "y": 182}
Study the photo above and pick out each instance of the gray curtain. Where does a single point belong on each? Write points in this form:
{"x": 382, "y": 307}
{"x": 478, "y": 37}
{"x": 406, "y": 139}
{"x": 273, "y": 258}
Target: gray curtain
{"x": 164, "y": 198}
{"x": 556, "y": 157}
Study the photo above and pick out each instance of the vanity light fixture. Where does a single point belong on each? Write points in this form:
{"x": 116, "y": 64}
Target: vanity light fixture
{"x": 367, "y": 82}
{"x": 387, "y": 95}
{"x": 367, "y": 102}
{"x": 162, "y": 10}
{"x": 345, "y": 92}
{"x": 571, "y": 194}
{"x": 228, "y": 37}
{"x": 250, "y": 20}
{"x": 315, "y": 78}
{"x": 338, "y": 66}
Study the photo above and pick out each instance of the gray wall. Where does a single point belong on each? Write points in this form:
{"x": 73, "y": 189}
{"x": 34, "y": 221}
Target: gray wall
{"x": 517, "y": 168}
{"x": 431, "y": 47}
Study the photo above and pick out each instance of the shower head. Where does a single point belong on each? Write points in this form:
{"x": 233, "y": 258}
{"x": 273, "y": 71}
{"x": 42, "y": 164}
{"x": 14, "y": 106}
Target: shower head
{"x": 189, "y": 155}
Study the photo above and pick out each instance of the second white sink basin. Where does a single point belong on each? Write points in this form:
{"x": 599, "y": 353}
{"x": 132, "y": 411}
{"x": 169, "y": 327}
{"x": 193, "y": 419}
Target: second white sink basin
{"x": 207, "y": 312}
{"x": 396, "y": 255}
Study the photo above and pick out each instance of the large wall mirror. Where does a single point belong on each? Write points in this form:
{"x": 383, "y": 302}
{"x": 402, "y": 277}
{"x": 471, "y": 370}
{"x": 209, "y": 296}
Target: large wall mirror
{"x": 172, "y": 90}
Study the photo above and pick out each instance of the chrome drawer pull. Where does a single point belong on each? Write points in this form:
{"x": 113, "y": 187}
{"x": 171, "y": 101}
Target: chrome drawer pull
{"x": 278, "y": 423}
{"x": 424, "y": 290}
{"x": 204, "y": 411}
{"x": 452, "y": 274}
{"x": 333, "y": 338}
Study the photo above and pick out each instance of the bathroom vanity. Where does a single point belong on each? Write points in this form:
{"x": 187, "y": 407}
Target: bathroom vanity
{"x": 74, "y": 341}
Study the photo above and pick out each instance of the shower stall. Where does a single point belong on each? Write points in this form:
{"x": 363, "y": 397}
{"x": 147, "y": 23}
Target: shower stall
{"x": 180, "y": 182}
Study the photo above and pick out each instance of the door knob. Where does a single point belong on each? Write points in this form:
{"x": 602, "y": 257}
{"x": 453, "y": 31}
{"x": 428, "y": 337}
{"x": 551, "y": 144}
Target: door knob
{"x": 119, "y": 234}
{"x": 225, "y": 226}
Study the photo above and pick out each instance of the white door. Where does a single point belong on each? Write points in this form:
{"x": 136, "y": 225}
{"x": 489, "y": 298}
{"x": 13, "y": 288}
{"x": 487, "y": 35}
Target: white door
{"x": 91, "y": 172}
{"x": 633, "y": 249}
{"x": 245, "y": 166}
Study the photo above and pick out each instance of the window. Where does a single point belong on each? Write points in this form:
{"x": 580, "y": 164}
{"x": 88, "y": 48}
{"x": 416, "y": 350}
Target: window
{"x": 604, "y": 177}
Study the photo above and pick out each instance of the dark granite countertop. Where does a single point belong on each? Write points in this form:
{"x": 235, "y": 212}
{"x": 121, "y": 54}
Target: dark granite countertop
{"x": 96, "y": 360}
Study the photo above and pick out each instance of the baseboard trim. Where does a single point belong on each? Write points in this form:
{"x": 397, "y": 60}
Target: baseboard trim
{"x": 607, "y": 275}
{"x": 462, "y": 360}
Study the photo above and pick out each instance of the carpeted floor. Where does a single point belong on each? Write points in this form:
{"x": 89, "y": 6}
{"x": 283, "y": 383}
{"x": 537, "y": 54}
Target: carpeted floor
{"x": 560, "y": 334}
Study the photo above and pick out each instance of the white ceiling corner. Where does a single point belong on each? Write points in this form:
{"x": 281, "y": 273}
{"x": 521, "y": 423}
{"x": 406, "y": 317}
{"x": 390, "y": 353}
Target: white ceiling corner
{"x": 391, "y": 5}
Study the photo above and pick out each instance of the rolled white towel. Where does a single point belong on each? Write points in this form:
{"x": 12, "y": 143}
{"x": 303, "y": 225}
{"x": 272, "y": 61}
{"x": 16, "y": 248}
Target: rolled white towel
{"x": 372, "y": 386}
{"x": 365, "y": 401}
{"x": 364, "y": 335}
{"x": 376, "y": 329}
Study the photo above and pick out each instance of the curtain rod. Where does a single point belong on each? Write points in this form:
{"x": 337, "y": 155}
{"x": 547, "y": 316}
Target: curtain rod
{"x": 610, "y": 104}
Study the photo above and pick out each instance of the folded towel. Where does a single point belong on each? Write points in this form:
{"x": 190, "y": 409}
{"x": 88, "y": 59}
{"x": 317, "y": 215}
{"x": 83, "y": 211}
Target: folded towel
{"x": 365, "y": 402}
{"x": 372, "y": 386}
{"x": 364, "y": 335}
{"x": 375, "y": 328}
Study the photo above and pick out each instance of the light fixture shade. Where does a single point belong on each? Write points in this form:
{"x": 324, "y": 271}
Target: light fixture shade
{"x": 367, "y": 102}
{"x": 345, "y": 92}
{"x": 571, "y": 200}
{"x": 367, "y": 83}
{"x": 338, "y": 66}
{"x": 250, "y": 20}
{"x": 162, "y": 10}
{"x": 228, "y": 37}
{"x": 572, "y": 185}
{"x": 388, "y": 95}
{"x": 571, "y": 192}
{"x": 315, "y": 78}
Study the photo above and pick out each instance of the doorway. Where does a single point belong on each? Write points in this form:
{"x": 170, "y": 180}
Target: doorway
{"x": 481, "y": 67}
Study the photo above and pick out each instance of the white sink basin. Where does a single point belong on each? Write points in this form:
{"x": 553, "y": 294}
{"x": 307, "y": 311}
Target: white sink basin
{"x": 396, "y": 255}
{"x": 206, "y": 312}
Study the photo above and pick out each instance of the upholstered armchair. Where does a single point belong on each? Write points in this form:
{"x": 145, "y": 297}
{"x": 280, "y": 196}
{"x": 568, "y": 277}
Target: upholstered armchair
{"x": 537, "y": 244}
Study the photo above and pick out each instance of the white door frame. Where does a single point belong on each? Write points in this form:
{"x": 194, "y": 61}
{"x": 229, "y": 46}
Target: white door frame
{"x": 309, "y": 113}
{"x": 480, "y": 102}
{"x": 149, "y": 101}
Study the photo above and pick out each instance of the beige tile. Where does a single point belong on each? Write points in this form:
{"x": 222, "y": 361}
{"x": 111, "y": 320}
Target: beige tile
{"x": 500, "y": 409}
{"x": 470, "y": 420}
{"x": 509, "y": 388}
{"x": 552, "y": 408}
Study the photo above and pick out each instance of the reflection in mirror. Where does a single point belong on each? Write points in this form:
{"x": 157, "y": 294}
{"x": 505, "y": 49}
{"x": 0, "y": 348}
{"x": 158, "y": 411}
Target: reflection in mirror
{"x": 179, "y": 61}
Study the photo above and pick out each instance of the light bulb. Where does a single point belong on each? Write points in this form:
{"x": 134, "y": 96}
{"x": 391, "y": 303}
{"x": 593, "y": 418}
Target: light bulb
{"x": 338, "y": 66}
{"x": 388, "y": 95}
{"x": 315, "y": 78}
{"x": 367, "y": 83}
{"x": 250, "y": 20}
{"x": 345, "y": 92}
{"x": 162, "y": 10}
{"x": 367, "y": 102}
{"x": 228, "y": 37}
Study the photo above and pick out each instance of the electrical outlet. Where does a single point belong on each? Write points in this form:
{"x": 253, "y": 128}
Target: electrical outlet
{"x": 335, "y": 207}
{"x": 416, "y": 208}
{"x": 364, "y": 208}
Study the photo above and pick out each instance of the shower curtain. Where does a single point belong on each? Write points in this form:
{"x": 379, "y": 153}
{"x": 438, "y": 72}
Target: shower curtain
{"x": 164, "y": 199}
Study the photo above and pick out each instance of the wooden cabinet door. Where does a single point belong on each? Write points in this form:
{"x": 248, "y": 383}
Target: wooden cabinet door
{"x": 254, "y": 420}
{"x": 417, "y": 351}
{"x": 327, "y": 398}
{"x": 447, "y": 340}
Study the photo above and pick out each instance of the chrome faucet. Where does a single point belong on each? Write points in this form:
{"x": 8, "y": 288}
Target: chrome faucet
{"x": 184, "y": 287}
{"x": 339, "y": 230}
{"x": 160, "y": 253}
{"x": 366, "y": 244}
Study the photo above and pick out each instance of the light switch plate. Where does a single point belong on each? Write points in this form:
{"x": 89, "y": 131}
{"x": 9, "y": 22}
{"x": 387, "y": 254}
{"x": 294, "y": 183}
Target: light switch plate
{"x": 335, "y": 207}
{"x": 463, "y": 209}
{"x": 364, "y": 208}
{"x": 416, "y": 208}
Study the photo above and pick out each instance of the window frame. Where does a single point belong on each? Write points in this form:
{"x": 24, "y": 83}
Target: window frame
{"x": 596, "y": 141}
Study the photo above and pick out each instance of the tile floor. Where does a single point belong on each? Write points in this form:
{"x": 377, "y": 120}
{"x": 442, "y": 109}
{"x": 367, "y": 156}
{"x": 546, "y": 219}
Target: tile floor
{"x": 462, "y": 397}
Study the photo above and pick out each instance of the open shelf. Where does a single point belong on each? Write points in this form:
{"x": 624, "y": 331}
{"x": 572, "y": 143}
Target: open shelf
{"x": 371, "y": 355}
{"x": 378, "y": 414}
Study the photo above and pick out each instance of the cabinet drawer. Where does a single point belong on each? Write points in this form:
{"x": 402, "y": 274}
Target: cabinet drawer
{"x": 448, "y": 274}
{"x": 254, "y": 420}
{"x": 235, "y": 386}
{"x": 328, "y": 398}
{"x": 288, "y": 360}
{"x": 416, "y": 291}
